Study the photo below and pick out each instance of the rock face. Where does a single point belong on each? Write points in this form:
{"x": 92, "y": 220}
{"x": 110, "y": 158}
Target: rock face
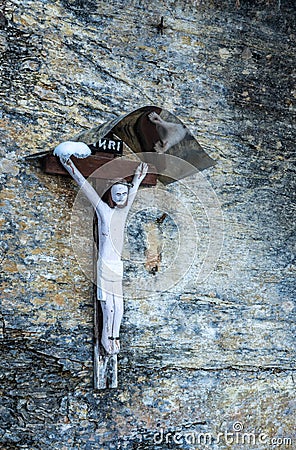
{"x": 214, "y": 352}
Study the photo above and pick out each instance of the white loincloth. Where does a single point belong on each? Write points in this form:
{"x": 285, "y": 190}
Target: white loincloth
{"x": 109, "y": 279}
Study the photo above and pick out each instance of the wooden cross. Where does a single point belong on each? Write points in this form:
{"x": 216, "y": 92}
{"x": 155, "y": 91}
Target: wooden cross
{"x": 105, "y": 365}
{"x": 147, "y": 133}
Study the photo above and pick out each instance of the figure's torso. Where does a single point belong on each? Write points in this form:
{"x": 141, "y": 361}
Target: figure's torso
{"x": 111, "y": 224}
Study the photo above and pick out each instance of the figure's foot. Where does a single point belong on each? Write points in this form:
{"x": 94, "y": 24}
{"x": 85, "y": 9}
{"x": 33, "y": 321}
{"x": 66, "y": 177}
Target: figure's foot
{"x": 154, "y": 117}
{"x": 111, "y": 344}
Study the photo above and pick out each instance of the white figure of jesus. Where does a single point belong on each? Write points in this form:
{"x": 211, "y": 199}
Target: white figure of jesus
{"x": 112, "y": 215}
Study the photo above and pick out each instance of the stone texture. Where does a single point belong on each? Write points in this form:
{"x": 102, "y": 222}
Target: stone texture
{"x": 209, "y": 352}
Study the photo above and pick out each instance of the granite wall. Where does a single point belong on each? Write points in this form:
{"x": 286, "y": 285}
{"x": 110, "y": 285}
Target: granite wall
{"x": 214, "y": 353}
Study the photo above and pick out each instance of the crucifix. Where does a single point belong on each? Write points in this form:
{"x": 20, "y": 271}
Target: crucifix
{"x": 151, "y": 133}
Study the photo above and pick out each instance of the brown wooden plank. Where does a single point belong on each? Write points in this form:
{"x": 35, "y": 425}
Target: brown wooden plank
{"x": 119, "y": 168}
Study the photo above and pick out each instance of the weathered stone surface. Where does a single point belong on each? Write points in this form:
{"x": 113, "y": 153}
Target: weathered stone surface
{"x": 207, "y": 353}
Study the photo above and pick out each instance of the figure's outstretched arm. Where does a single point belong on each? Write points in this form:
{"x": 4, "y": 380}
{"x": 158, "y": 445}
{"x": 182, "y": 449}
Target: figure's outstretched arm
{"x": 79, "y": 149}
{"x": 140, "y": 174}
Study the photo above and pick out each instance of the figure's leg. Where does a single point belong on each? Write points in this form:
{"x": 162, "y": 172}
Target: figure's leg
{"x": 112, "y": 310}
{"x": 117, "y": 318}
{"x": 108, "y": 313}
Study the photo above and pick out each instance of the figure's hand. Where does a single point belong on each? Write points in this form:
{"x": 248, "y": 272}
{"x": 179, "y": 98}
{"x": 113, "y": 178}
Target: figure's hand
{"x": 141, "y": 172}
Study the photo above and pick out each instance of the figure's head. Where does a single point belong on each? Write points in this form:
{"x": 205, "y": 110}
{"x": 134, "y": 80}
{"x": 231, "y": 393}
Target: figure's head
{"x": 117, "y": 195}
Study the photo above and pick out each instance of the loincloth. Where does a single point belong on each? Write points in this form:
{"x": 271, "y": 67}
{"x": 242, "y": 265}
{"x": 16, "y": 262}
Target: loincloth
{"x": 109, "y": 279}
